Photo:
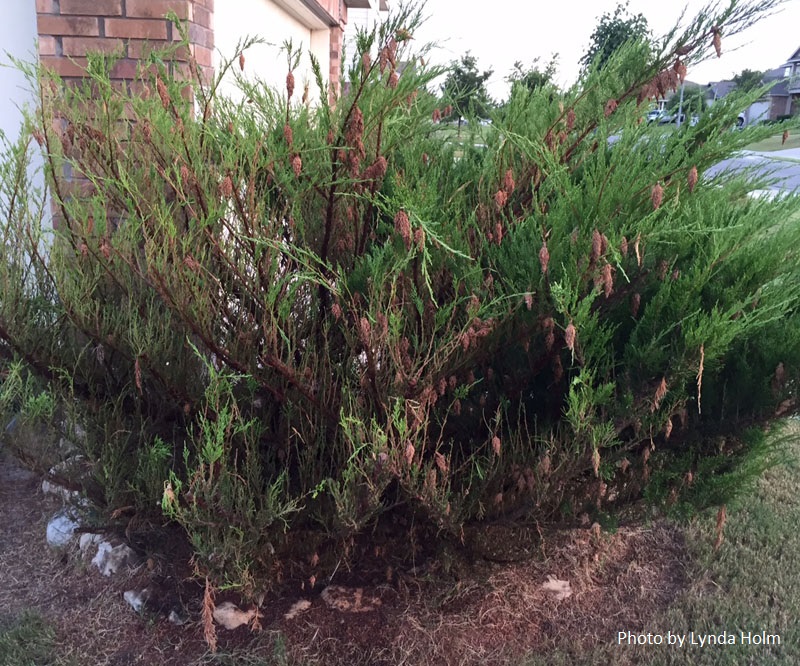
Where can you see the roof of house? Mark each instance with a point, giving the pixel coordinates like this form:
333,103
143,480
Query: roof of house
781,88
795,57
718,89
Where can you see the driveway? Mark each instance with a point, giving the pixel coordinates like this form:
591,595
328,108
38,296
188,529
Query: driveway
782,166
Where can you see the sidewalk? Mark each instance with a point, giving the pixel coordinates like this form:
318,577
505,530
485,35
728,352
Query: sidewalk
789,154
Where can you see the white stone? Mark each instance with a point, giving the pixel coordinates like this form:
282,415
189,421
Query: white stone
61,529
176,618
66,469
561,588
110,559
59,491
230,616
297,608
349,599
87,542
137,600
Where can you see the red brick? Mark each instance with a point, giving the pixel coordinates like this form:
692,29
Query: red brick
47,46
136,28
203,56
200,35
80,46
139,89
77,186
207,75
68,25
183,71
139,48
126,68
65,67
45,7
92,7
202,16
158,8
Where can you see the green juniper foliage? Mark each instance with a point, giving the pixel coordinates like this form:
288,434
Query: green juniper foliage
290,324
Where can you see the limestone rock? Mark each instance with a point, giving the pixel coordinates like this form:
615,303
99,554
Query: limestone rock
88,542
137,599
560,588
110,558
71,468
349,599
49,488
177,617
61,529
297,608
230,616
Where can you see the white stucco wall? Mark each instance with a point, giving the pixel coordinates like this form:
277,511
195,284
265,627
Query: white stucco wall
235,19
18,39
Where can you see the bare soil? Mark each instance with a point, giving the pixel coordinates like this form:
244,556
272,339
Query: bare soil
489,612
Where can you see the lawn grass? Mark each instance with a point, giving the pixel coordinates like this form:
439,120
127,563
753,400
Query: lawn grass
751,584
775,142
27,641
473,133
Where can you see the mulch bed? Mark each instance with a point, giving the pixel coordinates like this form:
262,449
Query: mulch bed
488,613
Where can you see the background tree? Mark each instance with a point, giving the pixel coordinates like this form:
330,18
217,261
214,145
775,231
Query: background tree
534,76
611,32
748,79
694,101
465,90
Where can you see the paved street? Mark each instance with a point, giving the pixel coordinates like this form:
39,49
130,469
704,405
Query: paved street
781,165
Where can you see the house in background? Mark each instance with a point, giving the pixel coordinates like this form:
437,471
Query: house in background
757,112
785,95
781,101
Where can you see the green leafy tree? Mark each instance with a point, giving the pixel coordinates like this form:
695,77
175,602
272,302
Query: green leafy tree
611,32
465,91
694,101
748,79
535,76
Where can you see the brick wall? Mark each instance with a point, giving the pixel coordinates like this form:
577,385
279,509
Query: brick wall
69,29
337,41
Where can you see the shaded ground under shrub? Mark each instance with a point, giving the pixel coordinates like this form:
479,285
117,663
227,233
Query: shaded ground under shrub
489,613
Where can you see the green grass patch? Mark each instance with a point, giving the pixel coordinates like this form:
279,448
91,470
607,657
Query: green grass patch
750,584
775,142
27,640
473,133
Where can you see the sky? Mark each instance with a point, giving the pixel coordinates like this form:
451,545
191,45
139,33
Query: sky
500,32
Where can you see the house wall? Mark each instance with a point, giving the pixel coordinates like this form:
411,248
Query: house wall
68,29
18,40
267,62
358,19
